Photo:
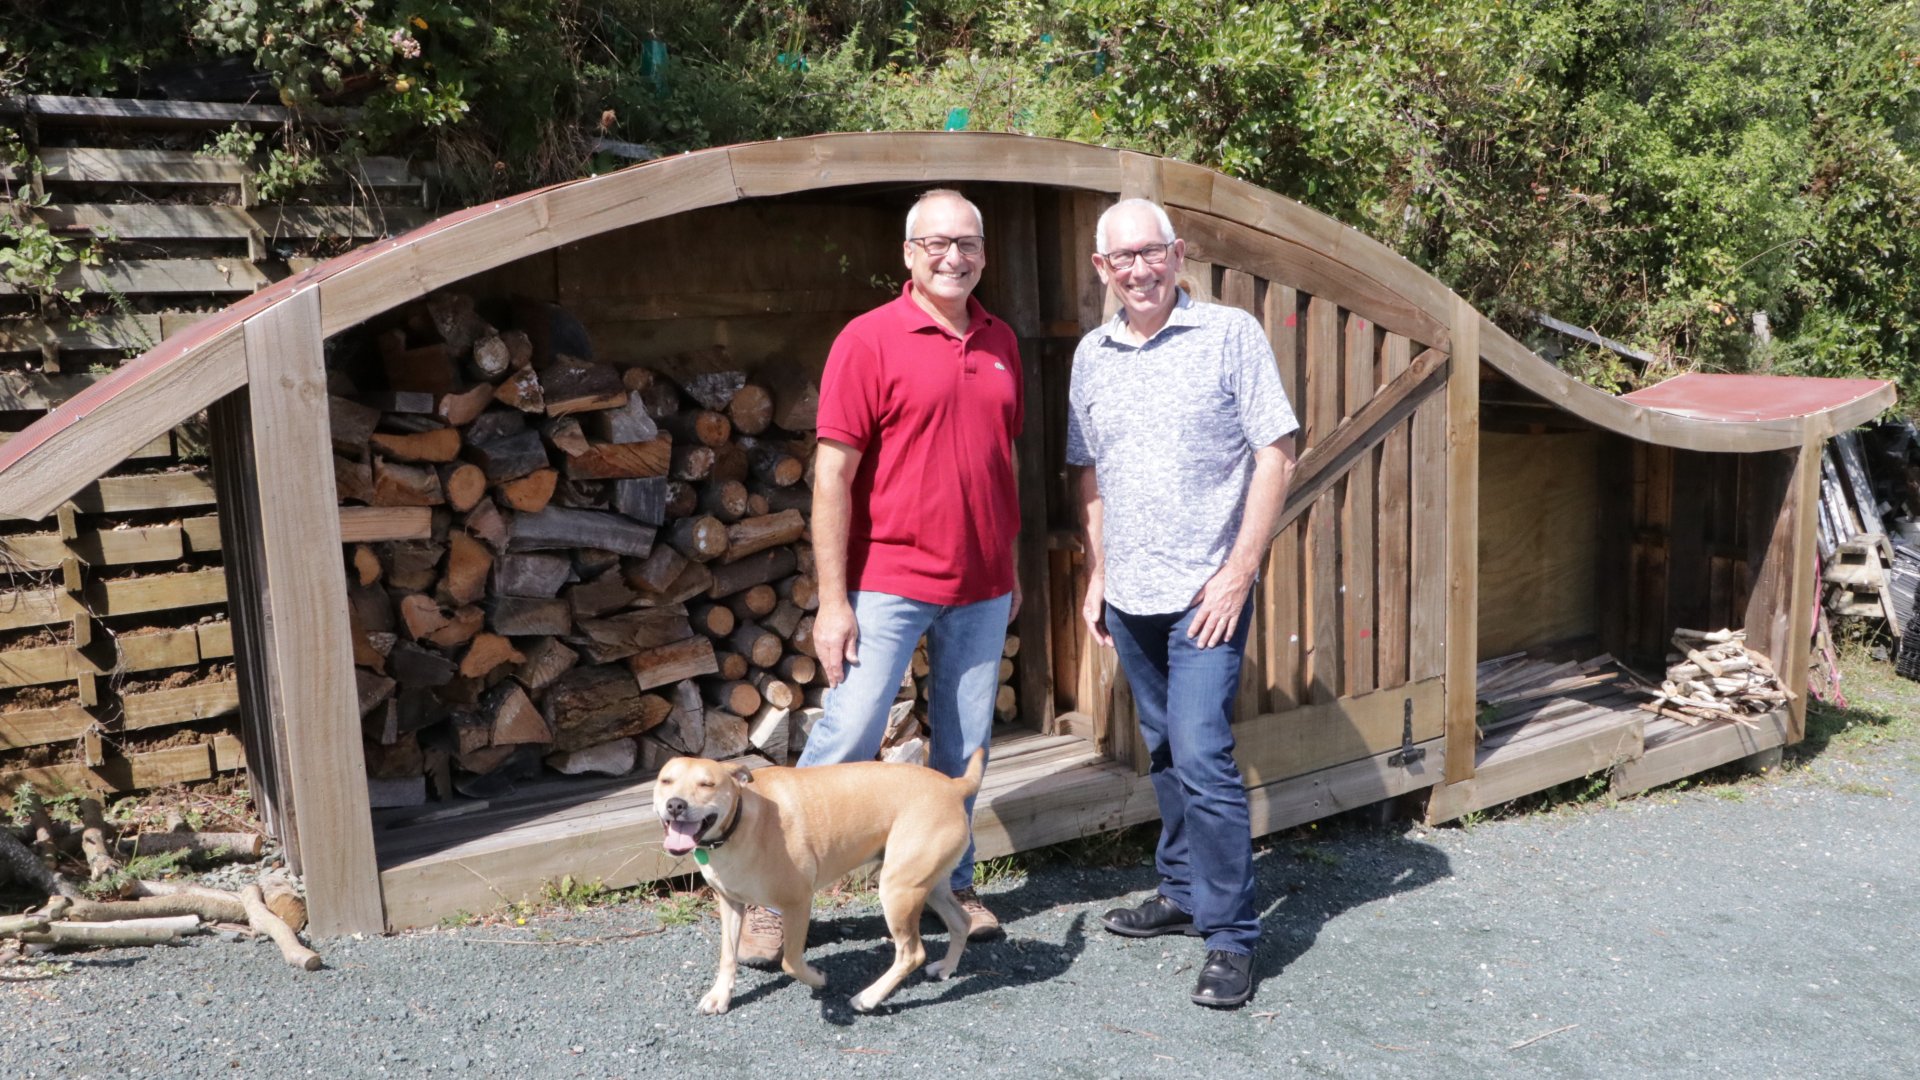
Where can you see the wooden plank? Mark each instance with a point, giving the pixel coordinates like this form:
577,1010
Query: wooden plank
1300,799
160,277
1539,552
1601,743
137,652
1695,750
179,705
779,168
1276,746
160,447
1394,588
1463,538
126,596
115,165
1359,614
310,673
1320,555
145,112
1281,585
149,401
1803,592
37,727
146,491
130,332
153,221
138,772
369,524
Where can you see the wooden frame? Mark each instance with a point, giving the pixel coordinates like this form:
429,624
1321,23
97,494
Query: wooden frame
1388,478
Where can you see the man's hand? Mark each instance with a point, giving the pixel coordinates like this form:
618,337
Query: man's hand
1013,610
1220,602
1094,609
836,639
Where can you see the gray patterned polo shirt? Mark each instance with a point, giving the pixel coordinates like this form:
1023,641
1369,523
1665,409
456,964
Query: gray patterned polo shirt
1170,427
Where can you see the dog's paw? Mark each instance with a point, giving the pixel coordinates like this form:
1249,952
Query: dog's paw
810,976
865,1001
938,971
715,1002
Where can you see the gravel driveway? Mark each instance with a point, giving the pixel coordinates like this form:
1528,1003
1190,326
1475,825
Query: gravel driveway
1764,928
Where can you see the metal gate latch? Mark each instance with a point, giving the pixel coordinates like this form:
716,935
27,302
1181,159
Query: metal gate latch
1408,755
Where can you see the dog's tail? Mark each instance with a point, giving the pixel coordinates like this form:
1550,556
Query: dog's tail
969,781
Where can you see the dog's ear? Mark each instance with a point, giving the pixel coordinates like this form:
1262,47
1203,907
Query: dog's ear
742,774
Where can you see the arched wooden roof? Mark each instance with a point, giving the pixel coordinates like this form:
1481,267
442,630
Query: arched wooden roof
76,443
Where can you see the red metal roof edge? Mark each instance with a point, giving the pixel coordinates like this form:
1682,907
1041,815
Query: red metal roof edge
1734,398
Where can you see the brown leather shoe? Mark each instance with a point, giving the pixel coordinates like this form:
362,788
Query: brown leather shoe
981,925
761,939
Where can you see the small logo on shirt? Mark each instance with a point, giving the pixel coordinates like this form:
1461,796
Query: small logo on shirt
998,366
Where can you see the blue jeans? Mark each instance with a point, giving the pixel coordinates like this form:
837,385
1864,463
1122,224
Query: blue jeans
964,644
1184,695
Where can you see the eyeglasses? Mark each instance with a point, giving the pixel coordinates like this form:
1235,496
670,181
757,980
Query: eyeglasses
937,246
1154,254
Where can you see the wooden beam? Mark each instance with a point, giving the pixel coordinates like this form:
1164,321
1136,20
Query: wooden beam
310,667
149,221
1330,458
1276,746
145,112
1463,538
156,277
1804,588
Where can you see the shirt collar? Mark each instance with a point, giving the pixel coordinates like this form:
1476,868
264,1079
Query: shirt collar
1183,314
914,318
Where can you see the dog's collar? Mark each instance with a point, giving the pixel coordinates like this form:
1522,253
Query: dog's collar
700,852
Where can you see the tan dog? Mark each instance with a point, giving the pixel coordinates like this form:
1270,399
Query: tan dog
777,836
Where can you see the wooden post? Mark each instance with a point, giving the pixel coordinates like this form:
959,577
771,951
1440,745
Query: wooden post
1463,538
305,658
1802,504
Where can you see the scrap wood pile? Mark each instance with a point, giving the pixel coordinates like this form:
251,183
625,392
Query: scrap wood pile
614,567
1508,684
1713,676
126,911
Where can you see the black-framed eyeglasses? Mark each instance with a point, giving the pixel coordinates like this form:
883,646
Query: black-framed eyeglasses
937,246
1154,254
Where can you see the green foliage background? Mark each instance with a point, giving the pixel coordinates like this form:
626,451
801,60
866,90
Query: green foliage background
1659,171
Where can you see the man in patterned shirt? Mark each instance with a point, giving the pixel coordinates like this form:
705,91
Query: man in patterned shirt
1177,407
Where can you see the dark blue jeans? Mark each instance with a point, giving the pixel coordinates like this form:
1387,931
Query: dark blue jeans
1184,695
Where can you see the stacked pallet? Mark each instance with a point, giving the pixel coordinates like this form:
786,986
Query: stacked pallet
115,652
1713,677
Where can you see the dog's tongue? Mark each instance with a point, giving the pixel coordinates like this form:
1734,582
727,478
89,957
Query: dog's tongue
682,836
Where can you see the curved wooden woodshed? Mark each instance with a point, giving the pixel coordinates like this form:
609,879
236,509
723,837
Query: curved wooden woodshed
1459,499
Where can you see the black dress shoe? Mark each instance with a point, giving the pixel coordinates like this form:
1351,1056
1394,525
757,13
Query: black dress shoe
1151,919
1226,980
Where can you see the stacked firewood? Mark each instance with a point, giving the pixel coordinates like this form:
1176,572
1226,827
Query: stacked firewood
1713,676
907,726
617,568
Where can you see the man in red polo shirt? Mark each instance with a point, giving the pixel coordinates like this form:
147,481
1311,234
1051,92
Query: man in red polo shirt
914,516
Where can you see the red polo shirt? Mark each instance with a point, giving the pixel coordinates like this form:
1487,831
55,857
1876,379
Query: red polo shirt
933,416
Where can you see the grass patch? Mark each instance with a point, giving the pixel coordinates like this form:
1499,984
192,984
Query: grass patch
1856,787
683,908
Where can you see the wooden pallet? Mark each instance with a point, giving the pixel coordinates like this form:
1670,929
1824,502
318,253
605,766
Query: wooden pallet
1858,571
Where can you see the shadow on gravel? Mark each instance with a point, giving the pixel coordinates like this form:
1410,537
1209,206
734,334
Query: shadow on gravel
1300,888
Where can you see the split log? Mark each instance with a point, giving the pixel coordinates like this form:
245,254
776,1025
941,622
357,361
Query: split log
426,370
628,423
397,484
413,565
266,922
468,563
531,493
727,735
465,622
691,582
350,424
420,616
507,457
532,573
597,704
561,528
487,652
521,389
373,690
657,571
461,407
563,433
645,628
622,461
572,386
436,447
486,522
353,480
796,397
513,720
770,731
714,389
398,760
673,662
496,424
528,616
366,564
757,569
685,729
454,319
644,499
616,757
547,659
